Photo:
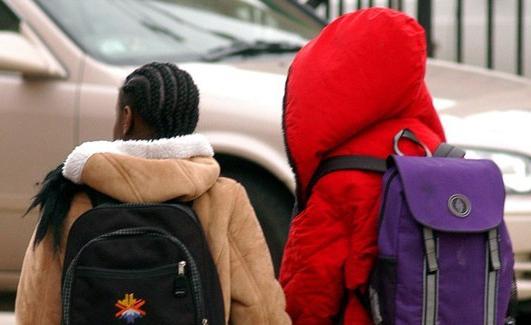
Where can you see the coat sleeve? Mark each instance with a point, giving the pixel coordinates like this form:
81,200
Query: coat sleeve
38,300
256,296
321,245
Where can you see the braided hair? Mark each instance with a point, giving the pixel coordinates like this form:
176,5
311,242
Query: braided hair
164,96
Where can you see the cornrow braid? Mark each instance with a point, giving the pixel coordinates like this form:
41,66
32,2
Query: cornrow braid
165,96
152,115
187,98
170,96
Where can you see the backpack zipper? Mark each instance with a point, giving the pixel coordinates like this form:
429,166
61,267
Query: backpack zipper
147,231
179,288
96,272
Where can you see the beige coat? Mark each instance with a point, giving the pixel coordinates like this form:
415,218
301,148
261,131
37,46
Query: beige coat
251,294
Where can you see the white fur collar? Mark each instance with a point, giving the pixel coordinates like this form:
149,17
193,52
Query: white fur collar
186,146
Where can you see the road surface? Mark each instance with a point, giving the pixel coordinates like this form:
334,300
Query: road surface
7,319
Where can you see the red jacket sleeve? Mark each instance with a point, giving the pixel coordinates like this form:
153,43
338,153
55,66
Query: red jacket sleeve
335,233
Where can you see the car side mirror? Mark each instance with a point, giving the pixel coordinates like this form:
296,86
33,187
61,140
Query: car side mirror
18,54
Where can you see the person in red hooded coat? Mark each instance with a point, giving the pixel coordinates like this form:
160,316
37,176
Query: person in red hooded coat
349,91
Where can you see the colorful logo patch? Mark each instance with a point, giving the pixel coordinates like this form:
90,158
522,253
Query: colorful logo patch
130,308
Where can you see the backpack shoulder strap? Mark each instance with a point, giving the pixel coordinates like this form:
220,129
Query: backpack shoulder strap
365,163
333,164
449,151
97,198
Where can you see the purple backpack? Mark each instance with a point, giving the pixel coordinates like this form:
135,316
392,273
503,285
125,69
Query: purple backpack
445,255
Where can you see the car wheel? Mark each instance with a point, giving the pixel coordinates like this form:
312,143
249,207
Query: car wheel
271,200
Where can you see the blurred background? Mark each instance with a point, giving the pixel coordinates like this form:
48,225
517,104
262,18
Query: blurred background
488,33
62,61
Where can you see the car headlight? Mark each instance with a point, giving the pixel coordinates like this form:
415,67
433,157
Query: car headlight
516,168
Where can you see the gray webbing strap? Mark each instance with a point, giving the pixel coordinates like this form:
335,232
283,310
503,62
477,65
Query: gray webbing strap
490,298
449,151
375,306
430,299
494,250
430,249
492,266
431,274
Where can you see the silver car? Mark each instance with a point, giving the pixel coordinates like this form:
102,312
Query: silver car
61,62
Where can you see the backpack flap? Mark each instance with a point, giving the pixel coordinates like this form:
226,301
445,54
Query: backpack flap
452,195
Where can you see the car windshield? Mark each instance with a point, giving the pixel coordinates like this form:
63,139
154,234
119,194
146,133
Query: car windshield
131,32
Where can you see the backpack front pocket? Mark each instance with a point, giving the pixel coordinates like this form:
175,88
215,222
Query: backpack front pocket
146,296
133,293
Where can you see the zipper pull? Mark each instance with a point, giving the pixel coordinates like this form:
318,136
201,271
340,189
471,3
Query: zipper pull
180,268
205,321
179,288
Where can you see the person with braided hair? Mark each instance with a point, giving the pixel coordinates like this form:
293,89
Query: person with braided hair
155,157
165,101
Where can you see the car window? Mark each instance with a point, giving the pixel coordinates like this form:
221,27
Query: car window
8,20
131,32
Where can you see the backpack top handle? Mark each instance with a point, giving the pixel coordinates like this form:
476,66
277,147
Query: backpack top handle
408,134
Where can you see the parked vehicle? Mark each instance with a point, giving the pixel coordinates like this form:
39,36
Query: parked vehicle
61,62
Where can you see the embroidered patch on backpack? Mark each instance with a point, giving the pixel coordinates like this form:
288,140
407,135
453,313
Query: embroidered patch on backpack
130,308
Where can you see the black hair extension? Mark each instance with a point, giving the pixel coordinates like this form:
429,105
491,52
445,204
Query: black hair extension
53,200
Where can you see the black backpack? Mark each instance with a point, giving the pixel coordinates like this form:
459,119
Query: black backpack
139,264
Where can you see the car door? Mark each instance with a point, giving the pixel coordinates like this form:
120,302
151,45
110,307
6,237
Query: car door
37,124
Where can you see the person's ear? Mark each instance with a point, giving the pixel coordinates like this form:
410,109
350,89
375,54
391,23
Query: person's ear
127,121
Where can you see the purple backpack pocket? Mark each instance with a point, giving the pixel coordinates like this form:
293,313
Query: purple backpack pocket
445,256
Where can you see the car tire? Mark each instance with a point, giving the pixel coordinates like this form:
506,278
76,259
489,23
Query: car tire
272,202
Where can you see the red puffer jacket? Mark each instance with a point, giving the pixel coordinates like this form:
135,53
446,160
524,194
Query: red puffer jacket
349,91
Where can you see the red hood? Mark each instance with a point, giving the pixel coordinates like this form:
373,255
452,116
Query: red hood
361,73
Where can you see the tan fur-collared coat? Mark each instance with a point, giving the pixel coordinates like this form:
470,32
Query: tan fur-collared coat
251,293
